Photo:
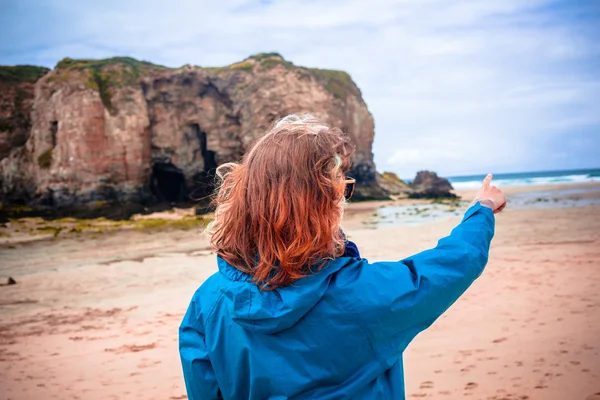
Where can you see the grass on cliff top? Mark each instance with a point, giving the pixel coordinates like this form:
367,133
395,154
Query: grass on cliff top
22,73
81,64
263,56
110,71
338,83
107,73
263,60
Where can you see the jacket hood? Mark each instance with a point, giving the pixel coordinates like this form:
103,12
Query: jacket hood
279,309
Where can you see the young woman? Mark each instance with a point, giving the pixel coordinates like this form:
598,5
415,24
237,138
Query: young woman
294,312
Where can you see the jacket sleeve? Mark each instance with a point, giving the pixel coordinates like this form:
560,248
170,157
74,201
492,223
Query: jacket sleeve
405,297
200,380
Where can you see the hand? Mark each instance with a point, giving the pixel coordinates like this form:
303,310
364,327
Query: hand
491,196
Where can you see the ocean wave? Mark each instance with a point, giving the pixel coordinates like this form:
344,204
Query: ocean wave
529,181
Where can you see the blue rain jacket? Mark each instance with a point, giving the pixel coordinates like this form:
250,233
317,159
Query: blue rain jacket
337,334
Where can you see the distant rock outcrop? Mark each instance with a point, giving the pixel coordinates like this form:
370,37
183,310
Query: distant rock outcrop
120,130
393,185
428,185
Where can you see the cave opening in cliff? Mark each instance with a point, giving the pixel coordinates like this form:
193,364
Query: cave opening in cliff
168,183
210,164
203,180
53,132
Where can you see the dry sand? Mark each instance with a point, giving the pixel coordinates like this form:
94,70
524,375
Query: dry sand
97,319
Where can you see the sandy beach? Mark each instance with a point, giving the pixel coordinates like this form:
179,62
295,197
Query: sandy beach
97,317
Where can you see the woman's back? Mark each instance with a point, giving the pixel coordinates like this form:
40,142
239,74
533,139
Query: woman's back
338,333
291,314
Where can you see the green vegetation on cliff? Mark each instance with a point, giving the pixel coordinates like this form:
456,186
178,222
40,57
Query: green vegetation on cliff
262,60
108,73
113,72
392,178
101,83
22,73
244,66
264,56
273,62
132,67
338,83
45,159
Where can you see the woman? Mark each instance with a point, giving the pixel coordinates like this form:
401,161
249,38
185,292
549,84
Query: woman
290,315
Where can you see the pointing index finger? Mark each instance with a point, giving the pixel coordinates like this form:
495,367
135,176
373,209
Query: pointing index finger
487,180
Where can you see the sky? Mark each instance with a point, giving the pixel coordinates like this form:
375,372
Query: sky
455,86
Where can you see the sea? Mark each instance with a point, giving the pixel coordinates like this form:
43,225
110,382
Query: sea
544,198
528,178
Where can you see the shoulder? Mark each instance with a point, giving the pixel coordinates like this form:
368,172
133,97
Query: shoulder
370,286
206,296
360,273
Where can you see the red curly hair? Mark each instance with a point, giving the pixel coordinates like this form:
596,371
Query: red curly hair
278,212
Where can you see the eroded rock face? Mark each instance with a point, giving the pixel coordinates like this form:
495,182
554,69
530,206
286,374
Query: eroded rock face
16,100
78,151
123,130
428,185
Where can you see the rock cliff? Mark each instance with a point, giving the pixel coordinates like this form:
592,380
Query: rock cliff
16,100
429,185
124,130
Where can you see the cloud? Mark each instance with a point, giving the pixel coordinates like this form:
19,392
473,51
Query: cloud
457,86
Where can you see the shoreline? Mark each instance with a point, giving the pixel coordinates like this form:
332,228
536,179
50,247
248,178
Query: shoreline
468,195
26,231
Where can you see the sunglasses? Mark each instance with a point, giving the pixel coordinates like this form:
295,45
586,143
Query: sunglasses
349,189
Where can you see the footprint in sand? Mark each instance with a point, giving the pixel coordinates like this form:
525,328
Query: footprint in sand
467,368
426,385
500,340
595,396
471,386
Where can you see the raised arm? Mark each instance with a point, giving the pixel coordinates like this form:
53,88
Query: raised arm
404,297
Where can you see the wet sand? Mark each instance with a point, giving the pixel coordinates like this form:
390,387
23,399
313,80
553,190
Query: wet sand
97,318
